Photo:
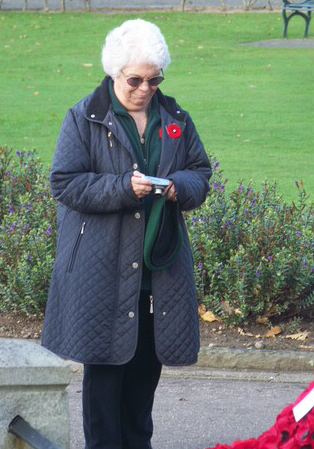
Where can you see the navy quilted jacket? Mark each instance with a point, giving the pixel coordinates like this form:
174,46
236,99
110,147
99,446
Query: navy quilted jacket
92,309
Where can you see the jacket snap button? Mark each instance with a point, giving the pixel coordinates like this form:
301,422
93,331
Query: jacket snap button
135,265
137,215
93,115
135,166
164,313
131,314
110,123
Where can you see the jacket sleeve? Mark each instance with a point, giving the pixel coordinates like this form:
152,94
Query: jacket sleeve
75,185
192,183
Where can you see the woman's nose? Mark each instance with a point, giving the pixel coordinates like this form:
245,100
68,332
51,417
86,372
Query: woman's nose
145,86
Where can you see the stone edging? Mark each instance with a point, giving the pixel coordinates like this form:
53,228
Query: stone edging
233,359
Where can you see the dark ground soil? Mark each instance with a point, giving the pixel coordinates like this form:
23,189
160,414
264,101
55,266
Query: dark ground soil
22,325
300,338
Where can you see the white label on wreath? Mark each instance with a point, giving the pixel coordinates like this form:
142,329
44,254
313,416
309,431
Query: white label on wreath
303,407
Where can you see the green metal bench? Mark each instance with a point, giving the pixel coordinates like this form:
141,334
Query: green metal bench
303,9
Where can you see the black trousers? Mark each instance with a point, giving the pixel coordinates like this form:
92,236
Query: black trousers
118,399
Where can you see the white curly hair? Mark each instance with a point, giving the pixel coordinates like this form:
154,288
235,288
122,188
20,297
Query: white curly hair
134,42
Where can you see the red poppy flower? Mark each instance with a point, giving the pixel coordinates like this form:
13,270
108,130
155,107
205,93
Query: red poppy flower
269,439
303,435
310,419
174,130
290,444
160,132
244,444
219,446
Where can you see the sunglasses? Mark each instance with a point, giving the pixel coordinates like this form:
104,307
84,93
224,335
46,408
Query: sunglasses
136,81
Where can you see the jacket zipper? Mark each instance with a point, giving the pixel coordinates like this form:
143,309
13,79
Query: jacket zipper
76,247
151,306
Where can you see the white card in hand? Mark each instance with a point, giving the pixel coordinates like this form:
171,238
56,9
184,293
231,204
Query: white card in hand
303,407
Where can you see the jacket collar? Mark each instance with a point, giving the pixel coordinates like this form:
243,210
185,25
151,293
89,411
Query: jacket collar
99,103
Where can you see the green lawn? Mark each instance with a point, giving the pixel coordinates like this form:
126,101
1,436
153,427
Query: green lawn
253,106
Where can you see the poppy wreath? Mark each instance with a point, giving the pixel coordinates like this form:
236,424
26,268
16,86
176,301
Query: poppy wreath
286,433
174,130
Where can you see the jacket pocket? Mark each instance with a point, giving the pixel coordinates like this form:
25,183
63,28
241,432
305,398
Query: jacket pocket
76,247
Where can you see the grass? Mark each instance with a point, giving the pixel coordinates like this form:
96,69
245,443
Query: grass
253,106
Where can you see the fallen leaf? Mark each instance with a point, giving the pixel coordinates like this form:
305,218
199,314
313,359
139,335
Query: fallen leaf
262,319
209,316
201,309
306,347
238,312
36,93
271,311
227,307
300,336
247,334
88,64
273,331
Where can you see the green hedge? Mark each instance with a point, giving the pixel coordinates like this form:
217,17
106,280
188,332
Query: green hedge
253,252
27,231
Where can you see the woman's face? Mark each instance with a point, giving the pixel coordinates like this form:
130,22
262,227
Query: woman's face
136,99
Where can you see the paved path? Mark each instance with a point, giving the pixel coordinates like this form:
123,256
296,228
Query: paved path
305,43
70,4
192,413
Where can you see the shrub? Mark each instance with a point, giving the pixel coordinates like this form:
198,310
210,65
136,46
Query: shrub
253,253
27,231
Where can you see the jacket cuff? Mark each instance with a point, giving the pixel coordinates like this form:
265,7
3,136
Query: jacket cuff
180,188
132,199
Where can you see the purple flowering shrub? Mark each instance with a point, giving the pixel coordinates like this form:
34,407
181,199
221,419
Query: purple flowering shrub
27,231
253,252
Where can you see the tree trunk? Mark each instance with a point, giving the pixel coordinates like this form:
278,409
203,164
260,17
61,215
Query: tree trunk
248,4
182,4
62,5
46,5
223,5
0,4
88,5
25,5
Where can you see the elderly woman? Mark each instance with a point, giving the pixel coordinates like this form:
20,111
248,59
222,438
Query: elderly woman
122,299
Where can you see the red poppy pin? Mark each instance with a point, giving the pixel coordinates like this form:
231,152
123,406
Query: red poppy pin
160,132
174,130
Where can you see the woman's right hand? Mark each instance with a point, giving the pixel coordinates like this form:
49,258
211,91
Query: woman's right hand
141,185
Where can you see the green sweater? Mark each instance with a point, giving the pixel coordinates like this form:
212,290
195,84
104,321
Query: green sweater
148,154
